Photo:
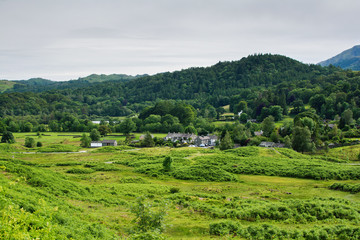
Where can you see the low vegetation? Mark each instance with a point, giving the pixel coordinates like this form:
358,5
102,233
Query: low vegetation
115,193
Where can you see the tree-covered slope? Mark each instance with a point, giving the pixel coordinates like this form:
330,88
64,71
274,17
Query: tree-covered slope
41,85
349,59
261,80
222,79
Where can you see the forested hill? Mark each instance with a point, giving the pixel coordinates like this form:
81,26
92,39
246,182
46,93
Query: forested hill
41,85
221,80
260,80
349,59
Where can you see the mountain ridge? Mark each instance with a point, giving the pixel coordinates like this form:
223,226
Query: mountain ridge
348,59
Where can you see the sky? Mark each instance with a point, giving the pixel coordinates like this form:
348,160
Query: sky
67,39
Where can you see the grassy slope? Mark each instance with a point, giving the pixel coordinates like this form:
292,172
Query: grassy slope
103,195
4,85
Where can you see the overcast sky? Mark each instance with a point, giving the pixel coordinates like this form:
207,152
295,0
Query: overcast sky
67,39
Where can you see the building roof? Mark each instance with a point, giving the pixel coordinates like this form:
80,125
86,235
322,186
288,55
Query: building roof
180,135
108,141
104,141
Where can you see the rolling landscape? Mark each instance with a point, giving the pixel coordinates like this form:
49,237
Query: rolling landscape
304,184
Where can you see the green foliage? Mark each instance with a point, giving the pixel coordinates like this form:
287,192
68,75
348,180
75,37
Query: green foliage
268,126
355,188
80,171
59,148
148,217
203,173
266,231
226,142
39,144
167,163
104,130
7,137
127,126
85,141
148,140
95,135
108,149
29,142
301,139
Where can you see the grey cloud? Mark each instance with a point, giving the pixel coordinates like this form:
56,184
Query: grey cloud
60,39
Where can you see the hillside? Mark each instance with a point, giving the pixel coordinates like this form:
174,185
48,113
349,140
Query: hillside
348,59
41,85
112,193
261,80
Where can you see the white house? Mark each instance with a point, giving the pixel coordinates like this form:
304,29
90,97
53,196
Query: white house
96,144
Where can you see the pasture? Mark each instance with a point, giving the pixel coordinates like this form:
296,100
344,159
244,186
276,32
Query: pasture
244,193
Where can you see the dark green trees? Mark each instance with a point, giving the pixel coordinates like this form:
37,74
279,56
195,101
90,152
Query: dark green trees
301,140
7,137
29,142
95,135
85,141
268,126
226,142
148,141
127,126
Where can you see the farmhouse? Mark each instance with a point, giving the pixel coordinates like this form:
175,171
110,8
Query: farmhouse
202,141
180,137
271,145
103,143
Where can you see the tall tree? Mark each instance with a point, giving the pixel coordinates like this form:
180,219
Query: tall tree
226,142
268,126
95,135
127,126
301,140
85,141
148,140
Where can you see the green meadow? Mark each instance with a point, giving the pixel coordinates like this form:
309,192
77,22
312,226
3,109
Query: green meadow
244,193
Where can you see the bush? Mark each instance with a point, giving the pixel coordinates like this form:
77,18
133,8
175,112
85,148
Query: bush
80,171
29,142
174,190
146,217
39,144
346,187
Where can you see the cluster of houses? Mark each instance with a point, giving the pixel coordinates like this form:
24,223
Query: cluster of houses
185,138
190,138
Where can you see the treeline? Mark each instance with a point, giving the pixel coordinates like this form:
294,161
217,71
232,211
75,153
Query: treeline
260,80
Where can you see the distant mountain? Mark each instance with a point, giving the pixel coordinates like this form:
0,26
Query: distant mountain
349,59
41,85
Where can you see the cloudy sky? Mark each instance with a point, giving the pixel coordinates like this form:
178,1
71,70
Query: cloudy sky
67,39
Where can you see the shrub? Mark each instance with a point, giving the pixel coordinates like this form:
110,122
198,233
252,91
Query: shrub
29,142
80,171
146,217
174,190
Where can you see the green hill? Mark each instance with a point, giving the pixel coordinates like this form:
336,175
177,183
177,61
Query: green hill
262,80
41,85
349,59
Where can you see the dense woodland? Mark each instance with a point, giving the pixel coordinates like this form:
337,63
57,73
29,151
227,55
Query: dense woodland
263,87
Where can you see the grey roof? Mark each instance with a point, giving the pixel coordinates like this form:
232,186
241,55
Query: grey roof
180,135
108,141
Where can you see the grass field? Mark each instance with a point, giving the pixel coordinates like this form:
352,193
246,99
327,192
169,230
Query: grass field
88,195
4,85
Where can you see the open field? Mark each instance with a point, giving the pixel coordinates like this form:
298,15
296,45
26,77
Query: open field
246,193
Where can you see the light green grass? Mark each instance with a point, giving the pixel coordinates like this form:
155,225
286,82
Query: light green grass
5,85
112,192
